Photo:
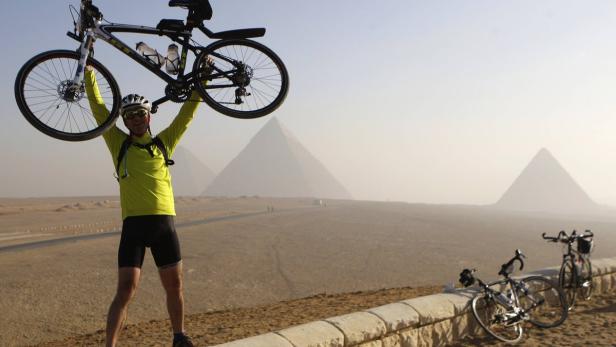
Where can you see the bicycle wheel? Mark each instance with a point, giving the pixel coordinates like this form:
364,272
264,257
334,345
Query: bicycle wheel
247,80
496,319
47,98
543,302
567,280
585,285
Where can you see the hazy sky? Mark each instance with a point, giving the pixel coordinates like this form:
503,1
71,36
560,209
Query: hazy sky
419,101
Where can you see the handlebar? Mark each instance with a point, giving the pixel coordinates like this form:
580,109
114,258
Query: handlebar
467,278
564,238
88,13
507,268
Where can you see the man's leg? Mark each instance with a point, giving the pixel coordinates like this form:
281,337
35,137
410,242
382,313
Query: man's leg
128,280
171,278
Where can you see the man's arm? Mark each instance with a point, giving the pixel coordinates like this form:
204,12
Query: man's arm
173,133
97,105
114,136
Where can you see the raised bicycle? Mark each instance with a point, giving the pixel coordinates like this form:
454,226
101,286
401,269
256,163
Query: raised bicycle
236,76
575,275
503,305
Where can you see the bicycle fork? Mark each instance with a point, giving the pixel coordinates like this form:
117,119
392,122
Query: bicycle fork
73,90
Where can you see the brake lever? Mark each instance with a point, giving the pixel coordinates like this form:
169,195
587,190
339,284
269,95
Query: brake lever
520,257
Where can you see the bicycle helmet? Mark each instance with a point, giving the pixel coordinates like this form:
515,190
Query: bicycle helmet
133,101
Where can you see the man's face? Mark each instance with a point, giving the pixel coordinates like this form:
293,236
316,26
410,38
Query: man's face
137,121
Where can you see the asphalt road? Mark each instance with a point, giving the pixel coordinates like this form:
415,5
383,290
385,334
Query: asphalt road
62,240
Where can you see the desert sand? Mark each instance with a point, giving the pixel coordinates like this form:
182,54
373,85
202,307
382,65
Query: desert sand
238,256
592,323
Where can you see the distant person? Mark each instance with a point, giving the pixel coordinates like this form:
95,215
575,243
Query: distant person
147,201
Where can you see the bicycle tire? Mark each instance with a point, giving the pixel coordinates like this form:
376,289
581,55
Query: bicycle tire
585,285
543,301
567,280
488,312
268,72
50,72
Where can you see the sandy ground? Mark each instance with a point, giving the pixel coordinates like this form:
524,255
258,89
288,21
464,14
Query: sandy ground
591,323
221,326
254,258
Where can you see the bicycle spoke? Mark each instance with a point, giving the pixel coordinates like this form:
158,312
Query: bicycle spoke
257,95
86,117
51,116
55,69
496,319
542,301
42,102
56,78
42,83
54,106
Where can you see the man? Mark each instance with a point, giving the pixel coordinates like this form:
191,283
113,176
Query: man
147,203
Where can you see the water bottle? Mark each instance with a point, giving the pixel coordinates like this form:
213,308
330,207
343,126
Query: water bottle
172,62
150,54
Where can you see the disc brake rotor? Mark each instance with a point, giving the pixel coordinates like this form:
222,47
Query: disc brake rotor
68,91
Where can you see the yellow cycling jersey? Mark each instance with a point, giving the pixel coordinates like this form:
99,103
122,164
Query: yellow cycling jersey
146,188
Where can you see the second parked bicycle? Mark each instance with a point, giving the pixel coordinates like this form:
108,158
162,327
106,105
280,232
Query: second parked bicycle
575,276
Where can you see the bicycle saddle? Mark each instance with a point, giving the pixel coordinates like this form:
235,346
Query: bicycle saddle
202,7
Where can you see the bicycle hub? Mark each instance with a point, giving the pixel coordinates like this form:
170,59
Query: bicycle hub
70,92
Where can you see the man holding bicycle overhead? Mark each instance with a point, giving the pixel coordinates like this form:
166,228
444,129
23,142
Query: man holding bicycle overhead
147,201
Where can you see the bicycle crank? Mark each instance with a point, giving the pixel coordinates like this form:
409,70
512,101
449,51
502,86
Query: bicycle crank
177,94
512,318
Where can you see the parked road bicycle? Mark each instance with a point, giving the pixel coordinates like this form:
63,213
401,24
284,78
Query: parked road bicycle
503,305
575,276
236,76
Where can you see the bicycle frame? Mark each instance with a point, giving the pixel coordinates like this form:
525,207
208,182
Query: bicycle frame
506,281
104,32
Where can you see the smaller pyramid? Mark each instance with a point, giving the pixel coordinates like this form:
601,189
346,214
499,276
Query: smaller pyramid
276,164
544,185
189,175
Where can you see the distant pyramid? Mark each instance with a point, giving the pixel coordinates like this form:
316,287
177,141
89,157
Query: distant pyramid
545,185
275,164
189,175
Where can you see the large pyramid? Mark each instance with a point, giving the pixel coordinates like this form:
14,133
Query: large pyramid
275,164
545,185
189,175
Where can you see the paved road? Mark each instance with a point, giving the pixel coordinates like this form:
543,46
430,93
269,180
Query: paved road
61,240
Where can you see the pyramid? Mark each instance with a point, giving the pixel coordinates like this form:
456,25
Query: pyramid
275,164
189,175
544,185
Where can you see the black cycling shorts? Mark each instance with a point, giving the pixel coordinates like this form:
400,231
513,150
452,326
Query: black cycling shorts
156,232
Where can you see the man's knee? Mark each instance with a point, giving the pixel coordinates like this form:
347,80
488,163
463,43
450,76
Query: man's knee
126,290
172,279
173,285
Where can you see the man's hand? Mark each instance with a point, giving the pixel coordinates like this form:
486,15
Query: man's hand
208,67
209,64
89,68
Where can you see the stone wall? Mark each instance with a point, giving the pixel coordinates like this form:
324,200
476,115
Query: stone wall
433,320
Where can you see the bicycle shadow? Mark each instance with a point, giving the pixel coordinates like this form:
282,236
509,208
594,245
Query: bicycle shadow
609,306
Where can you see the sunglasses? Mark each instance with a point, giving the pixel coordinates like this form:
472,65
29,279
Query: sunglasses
133,114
